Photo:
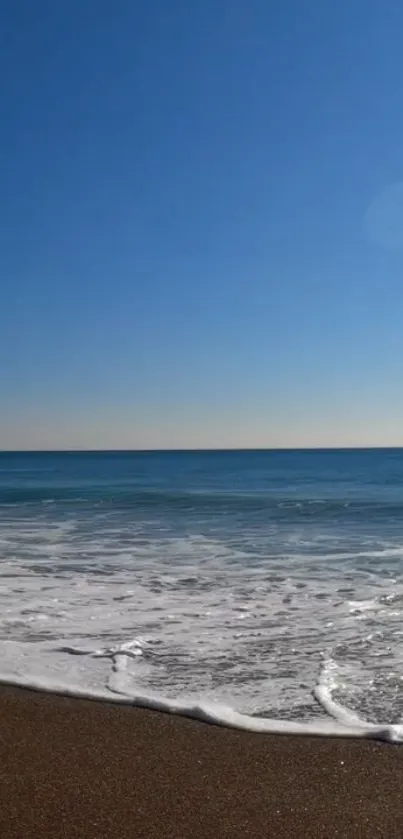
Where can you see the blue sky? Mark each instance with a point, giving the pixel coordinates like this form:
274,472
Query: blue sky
187,257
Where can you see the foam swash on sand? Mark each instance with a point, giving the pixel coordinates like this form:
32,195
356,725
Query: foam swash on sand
261,590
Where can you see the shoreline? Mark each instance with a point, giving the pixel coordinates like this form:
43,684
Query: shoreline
338,723
73,767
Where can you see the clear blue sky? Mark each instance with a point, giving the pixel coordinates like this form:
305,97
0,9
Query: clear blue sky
186,257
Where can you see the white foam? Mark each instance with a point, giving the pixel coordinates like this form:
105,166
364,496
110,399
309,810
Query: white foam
344,724
323,693
194,624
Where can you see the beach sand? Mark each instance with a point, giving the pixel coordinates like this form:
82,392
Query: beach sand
82,769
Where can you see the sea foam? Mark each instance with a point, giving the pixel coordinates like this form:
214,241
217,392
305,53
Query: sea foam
258,590
345,724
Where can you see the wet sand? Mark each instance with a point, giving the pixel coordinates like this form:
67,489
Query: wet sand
88,770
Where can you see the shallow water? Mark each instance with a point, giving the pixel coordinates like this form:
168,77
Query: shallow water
237,579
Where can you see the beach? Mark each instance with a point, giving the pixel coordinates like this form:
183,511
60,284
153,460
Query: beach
82,768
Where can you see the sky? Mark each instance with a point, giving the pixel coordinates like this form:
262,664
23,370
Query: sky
201,224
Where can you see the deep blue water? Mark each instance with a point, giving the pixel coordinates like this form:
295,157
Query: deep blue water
359,476
352,491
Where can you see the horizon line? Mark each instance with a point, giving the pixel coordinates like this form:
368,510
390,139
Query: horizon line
219,449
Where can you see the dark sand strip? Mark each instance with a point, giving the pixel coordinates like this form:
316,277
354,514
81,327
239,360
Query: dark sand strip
73,768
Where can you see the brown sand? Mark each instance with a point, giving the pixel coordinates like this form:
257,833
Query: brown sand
75,768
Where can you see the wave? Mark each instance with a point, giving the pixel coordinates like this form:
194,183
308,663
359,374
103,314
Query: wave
198,501
344,723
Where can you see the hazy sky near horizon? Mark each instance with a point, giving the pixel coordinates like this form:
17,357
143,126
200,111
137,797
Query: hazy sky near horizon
201,223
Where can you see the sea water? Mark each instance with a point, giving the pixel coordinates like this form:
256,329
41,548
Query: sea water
262,589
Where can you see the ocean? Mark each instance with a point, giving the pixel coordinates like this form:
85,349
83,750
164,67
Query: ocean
257,588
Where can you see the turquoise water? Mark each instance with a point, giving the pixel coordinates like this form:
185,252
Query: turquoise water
234,576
